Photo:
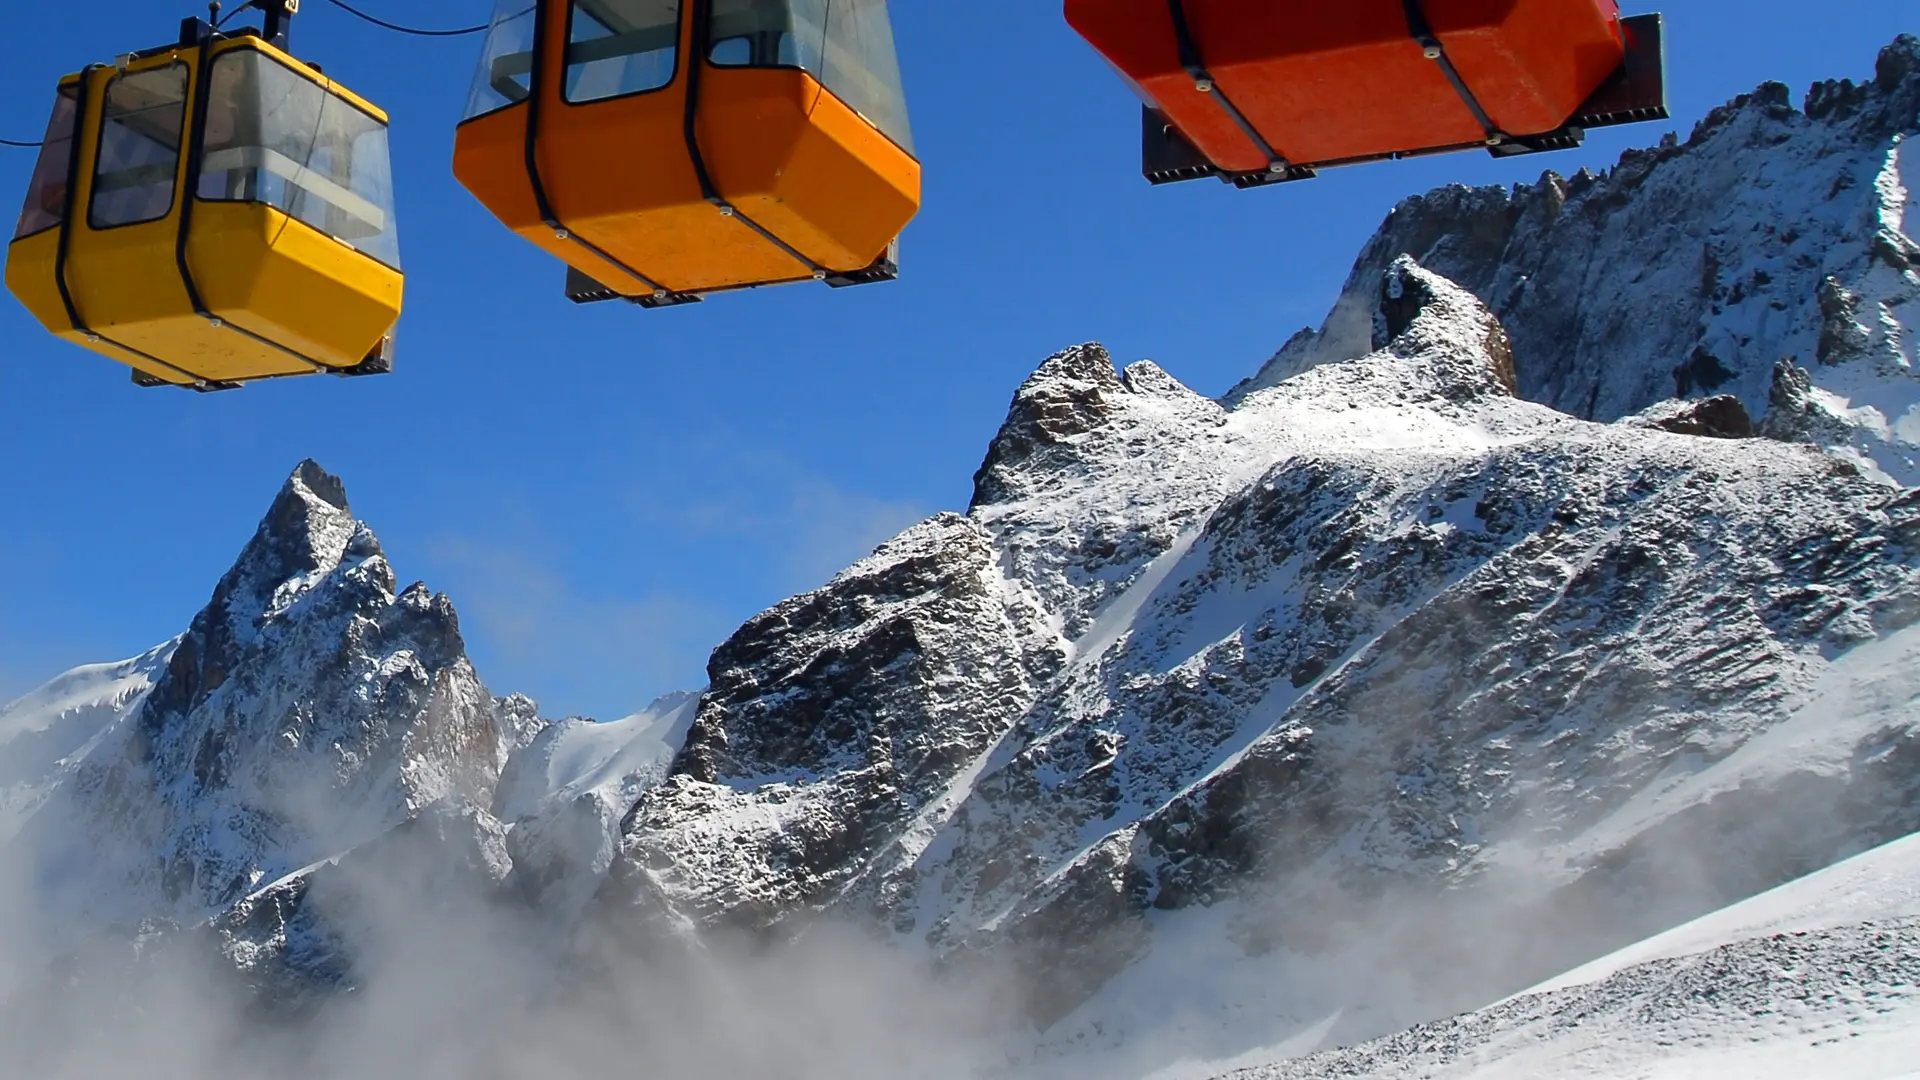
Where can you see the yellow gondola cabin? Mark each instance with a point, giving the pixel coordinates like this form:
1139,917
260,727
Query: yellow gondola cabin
665,149
212,213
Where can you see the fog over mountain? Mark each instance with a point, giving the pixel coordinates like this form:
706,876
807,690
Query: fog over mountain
1559,590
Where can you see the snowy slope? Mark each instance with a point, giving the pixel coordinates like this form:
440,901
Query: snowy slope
574,757
84,691
566,793
1839,1004
1269,679
1882,885
46,732
1820,977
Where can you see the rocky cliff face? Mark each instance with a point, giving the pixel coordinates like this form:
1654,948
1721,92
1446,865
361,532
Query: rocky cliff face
1390,616
1768,256
1355,633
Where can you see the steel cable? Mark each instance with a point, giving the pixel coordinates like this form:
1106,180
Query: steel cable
342,5
398,29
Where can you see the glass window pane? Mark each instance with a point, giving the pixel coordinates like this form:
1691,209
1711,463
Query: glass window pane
506,61
141,123
846,44
618,47
768,33
279,138
862,67
47,194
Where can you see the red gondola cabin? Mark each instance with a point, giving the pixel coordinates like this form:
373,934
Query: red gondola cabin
1261,91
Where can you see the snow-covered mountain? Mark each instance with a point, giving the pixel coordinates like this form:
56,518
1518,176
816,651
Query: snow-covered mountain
1375,635
1816,978
1382,629
1531,607
565,794
45,734
1769,256
311,707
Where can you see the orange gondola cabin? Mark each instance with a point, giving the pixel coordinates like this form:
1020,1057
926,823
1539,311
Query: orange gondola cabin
1263,91
666,149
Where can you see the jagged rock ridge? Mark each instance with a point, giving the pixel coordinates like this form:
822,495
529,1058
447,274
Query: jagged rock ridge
311,707
1769,256
1343,636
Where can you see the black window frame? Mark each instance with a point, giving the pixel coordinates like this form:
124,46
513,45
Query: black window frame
538,9
682,12
820,80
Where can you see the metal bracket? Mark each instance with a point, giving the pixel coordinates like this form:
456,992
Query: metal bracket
278,19
1278,167
884,268
1635,94
1436,51
583,289
1166,157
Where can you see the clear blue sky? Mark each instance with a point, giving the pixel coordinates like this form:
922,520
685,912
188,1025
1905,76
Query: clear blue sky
607,492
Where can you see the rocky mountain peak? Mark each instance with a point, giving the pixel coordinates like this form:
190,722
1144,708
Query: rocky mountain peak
1885,106
1071,394
1898,67
307,530
310,707
308,534
1770,233
1424,314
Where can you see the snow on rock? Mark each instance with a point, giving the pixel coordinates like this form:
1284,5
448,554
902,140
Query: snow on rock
45,733
1770,256
835,725
1376,634
311,707
565,794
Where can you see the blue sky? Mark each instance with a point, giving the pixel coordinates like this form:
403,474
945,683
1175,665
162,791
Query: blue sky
607,492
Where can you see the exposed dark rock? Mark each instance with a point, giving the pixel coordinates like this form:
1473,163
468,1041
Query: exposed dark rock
1071,394
1720,417
1337,672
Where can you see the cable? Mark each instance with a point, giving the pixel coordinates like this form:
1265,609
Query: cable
342,5
398,29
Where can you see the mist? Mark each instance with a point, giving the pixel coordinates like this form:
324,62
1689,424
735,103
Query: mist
442,974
